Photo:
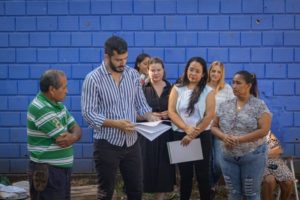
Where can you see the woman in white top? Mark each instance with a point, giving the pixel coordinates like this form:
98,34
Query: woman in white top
191,109
223,92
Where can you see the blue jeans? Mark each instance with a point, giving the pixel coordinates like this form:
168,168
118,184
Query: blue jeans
243,175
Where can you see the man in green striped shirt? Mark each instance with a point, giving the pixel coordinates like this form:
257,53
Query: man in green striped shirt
51,131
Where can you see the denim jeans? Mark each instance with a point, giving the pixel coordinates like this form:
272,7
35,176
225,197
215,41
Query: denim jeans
243,175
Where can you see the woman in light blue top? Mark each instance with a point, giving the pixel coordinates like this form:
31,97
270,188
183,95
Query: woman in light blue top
223,92
241,124
191,109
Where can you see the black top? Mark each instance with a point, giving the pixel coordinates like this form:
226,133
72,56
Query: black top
158,104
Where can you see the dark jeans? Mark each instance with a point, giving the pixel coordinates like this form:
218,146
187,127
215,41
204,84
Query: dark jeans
216,172
58,186
108,158
201,167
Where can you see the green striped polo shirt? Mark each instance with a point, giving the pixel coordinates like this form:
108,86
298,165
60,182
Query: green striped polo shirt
46,121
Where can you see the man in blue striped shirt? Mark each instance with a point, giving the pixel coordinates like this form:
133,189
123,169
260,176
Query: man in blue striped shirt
111,99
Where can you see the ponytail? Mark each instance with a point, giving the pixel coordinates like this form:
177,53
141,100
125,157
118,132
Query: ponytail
250,78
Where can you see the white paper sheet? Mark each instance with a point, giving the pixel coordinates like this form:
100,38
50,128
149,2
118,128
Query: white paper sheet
151,130
179,153
155,123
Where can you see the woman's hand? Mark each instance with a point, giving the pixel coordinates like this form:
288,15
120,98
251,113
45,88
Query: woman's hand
186,140
151,117
189,130
157,114
161,115
164,115
230,141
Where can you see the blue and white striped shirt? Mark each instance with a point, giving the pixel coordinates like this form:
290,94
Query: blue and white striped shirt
102,99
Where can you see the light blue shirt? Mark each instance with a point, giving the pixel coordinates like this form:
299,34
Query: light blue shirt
102,99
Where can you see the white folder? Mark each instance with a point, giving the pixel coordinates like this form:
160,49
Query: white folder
179,153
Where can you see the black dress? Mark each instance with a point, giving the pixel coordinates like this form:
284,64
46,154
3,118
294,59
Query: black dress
159,174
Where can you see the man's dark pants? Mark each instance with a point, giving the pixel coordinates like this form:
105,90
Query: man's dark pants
108,158
58,185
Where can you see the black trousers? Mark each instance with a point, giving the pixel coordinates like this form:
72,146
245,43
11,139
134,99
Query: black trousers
108,158
201,167
58,185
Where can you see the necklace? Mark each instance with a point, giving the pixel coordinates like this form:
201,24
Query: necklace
238,107
241,103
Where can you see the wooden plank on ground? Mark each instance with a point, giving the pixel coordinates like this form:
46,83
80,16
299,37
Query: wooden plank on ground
83,192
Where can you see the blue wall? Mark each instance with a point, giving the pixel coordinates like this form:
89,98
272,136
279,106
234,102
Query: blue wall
262,36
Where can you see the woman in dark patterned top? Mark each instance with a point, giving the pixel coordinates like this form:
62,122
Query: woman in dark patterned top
159,174
276,171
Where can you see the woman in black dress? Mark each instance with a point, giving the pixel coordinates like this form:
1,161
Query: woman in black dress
159,174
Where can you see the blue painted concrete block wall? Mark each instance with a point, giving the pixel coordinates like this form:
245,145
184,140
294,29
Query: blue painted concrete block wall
262,36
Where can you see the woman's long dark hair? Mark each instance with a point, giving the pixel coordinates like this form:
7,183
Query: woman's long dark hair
250,78
140,59
184,81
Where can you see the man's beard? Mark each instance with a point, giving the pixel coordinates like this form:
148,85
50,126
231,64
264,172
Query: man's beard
115,68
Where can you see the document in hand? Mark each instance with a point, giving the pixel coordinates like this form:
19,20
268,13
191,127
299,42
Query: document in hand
179,153
151,130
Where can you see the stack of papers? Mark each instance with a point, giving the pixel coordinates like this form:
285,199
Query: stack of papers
179,153
151,130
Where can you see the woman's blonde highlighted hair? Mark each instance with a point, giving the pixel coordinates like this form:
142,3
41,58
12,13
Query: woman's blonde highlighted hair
221,83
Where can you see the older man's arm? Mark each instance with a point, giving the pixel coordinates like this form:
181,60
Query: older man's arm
70,137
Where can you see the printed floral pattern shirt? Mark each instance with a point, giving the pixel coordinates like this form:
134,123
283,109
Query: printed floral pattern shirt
241,122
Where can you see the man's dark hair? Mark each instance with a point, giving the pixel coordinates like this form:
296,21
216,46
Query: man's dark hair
51,78
115,43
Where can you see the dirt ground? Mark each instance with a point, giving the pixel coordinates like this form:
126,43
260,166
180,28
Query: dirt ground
83,180
84,188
